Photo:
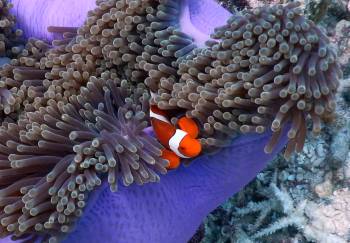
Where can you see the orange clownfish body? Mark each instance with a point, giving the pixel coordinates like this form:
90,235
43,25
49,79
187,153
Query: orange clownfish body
178,143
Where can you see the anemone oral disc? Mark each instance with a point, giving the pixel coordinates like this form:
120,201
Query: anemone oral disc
199,18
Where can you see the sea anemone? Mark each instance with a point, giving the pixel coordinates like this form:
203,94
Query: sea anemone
11,41
116,36
55,156
23,79
269,66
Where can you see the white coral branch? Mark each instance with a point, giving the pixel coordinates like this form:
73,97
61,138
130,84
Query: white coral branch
296,218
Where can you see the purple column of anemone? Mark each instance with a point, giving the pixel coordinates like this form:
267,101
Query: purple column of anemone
34,16
199,18
172,210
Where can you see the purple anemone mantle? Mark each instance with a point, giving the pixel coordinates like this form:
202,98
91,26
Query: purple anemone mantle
172,210
169,211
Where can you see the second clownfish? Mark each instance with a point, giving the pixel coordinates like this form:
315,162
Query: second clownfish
179,142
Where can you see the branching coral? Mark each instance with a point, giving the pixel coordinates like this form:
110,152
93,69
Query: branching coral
311,175
317,222
294,216
320,223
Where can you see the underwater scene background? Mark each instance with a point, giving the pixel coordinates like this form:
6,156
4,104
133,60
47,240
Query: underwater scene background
76,117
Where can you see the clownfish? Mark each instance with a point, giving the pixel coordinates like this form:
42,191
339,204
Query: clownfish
179,142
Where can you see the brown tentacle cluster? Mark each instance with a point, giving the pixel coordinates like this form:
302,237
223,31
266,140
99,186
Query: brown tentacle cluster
11,41
56,155
23,79
128,38
164,45
267,67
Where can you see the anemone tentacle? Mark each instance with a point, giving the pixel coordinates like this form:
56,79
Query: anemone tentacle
267,66
55,156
